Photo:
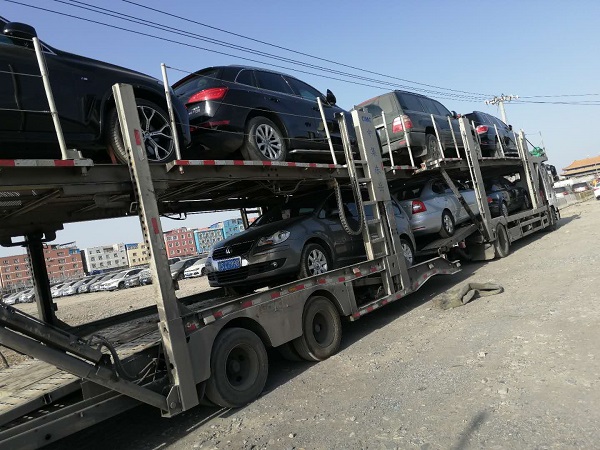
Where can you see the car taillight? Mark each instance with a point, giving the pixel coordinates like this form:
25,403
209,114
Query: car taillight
490,200
208,94
418,206
482,129
401,123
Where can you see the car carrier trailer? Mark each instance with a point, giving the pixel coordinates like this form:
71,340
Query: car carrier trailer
210,345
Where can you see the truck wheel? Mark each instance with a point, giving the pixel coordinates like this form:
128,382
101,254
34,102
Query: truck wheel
322,330
553,220
447,229
239,366
502,242
288,352
264,141
157,133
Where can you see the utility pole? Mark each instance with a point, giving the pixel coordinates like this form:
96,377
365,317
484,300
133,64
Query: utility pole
500,101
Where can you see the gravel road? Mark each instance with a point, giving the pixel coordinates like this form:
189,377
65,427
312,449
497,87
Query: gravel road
516,370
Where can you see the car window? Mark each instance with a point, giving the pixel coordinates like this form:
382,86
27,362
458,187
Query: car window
273,82
410,102
198,82
374,110
438,187
430,106
294,208
409,193
442,110
246,77
303,90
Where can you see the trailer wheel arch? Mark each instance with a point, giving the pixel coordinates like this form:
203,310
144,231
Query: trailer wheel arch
251,325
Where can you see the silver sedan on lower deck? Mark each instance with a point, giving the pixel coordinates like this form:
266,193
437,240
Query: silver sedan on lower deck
432,207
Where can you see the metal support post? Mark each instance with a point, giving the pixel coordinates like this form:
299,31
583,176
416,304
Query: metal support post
500,142
387,138
41,284
322,111
532,182
471,152
171,325
171,111
453,137
48,88
437,135
244,215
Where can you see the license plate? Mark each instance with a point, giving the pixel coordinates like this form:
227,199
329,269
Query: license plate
229,264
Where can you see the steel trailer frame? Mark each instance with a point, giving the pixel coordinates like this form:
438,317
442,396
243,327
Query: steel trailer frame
78,381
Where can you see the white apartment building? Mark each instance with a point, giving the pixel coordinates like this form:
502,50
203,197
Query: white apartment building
105,257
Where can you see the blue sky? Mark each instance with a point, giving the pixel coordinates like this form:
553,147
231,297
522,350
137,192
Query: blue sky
528,48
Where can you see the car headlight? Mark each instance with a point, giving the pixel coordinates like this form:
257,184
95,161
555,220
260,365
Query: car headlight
276,238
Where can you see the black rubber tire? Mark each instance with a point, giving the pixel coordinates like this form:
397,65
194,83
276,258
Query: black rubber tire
180,277
314,255
121,285
433,149
503,209
448,224
502,242
288,352
406,247
239,366
553,225
321,330
202,272
258,130
159,120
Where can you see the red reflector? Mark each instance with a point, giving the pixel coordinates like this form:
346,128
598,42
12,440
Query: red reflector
138,137
482,129
418,206
208,94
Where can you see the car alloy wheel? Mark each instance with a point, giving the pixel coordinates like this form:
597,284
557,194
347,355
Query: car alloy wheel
407,251
268,142
317,262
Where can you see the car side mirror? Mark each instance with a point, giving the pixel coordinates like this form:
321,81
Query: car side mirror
19,30
330,98
510,127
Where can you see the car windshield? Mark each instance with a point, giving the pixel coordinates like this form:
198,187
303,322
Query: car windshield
579,185
560,190
295,208
409,193
198,82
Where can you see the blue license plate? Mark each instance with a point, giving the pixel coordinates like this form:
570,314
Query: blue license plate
229,264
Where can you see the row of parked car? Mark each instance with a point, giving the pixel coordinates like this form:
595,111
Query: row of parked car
304,236
122,279
223,112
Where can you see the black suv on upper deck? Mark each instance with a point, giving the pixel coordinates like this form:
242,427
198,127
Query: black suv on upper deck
407,113
82,89
490,141
266,115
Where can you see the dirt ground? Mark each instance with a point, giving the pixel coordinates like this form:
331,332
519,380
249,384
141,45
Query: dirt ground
517,370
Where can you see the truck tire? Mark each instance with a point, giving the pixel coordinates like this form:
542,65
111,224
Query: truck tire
239,366
288,352
321,330
502,242
157,133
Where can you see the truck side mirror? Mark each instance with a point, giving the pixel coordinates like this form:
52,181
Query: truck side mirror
330,98
19,30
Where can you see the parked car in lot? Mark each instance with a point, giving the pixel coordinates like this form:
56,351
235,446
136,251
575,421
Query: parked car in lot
562,191
145,277
133,280
297,239
265,115
431,206
196,270
485,127
27,296
82,89
407,113
597,192
96,285
505,197
11,299
118,280
178,269
580,187
55,290
87,283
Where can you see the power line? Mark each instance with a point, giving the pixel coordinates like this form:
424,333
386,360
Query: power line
298,52
449,96
560,95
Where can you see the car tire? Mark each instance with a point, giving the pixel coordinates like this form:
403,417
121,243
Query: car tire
503,209
202,272
264,141
408,252
432,147
314,261
156,132
239,366
448,224
321,330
